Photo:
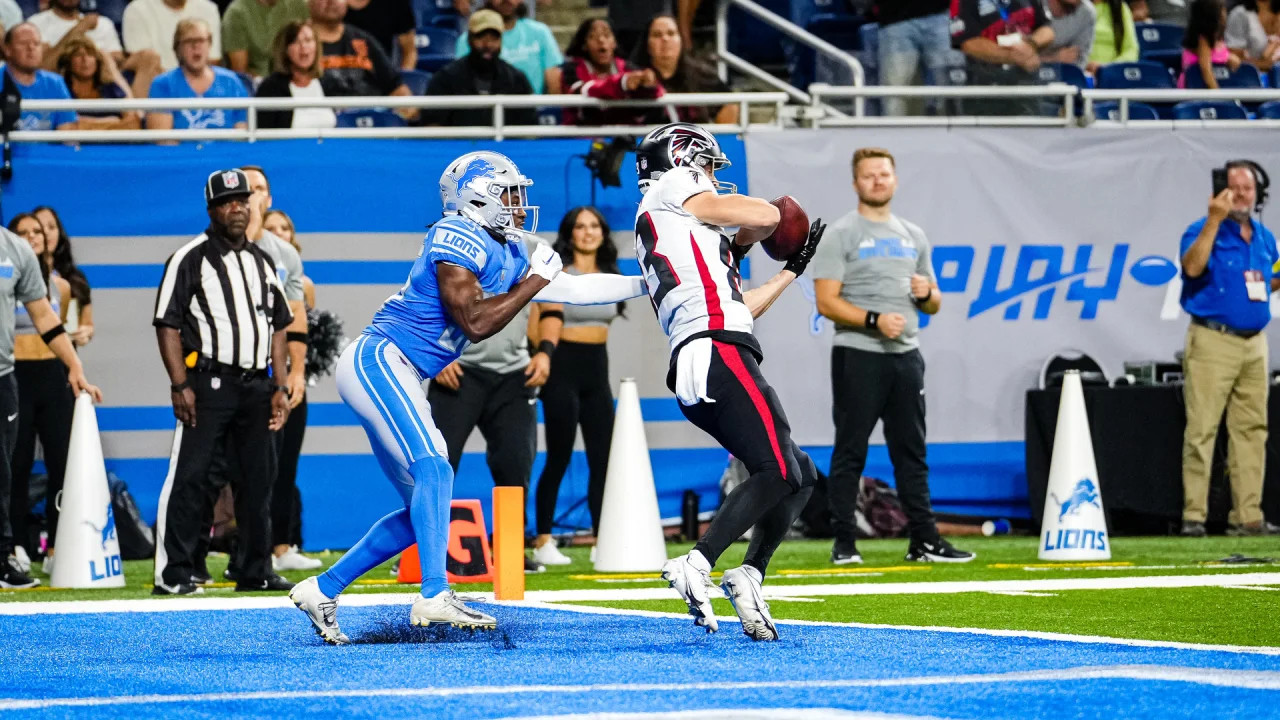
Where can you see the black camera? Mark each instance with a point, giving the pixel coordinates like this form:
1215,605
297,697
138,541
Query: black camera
605,157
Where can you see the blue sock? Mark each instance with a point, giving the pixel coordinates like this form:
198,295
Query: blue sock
387,537
429,510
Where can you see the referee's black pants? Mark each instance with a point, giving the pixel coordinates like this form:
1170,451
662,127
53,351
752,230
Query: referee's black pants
232,413
867,387
503,408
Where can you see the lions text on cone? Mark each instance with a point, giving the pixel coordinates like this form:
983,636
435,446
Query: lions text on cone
88,553
630,537
1074,526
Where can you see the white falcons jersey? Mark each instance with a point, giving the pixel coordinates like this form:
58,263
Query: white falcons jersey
693,284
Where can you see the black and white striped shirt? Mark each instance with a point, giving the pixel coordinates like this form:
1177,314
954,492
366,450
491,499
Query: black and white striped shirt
225,303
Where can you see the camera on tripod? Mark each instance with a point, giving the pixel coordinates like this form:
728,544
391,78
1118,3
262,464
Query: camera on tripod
605,157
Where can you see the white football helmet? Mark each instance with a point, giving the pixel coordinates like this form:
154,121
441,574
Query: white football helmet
473,186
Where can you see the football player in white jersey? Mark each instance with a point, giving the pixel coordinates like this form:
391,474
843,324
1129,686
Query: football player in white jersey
690,266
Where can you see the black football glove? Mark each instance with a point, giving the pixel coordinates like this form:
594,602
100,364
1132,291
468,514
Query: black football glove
799,260
737,252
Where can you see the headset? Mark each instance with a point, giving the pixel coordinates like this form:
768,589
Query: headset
1260,179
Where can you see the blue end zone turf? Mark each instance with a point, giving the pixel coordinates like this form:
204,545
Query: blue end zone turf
545,662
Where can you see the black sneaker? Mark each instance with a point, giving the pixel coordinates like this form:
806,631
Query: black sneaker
1192,529
12,577
179,589
275,583
201,577
937,551
532,566
231,574
845,553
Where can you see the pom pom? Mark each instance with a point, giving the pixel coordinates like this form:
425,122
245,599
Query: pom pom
324,330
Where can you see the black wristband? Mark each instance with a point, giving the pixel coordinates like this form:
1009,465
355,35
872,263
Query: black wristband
922,300
179,387
52,333
544,314
872,319
281,388
298,337
547,347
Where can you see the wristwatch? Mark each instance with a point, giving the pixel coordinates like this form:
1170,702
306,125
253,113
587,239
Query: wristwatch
281,388
179,387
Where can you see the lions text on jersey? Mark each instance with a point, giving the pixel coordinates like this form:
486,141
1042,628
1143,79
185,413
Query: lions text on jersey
415,318
692,280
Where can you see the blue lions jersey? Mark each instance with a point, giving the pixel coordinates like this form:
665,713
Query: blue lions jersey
415,319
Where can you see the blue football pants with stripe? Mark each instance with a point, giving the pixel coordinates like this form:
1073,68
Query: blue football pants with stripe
379,383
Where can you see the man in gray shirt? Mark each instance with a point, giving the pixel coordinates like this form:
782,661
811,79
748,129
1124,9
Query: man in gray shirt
871,276
21,281
494,386
1073,23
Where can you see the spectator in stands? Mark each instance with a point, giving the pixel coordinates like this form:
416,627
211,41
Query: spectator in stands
45,401
678,71
1074,23
481,71
63,23
391,23
592,68
249,28
1203,45
24,50
353,61
84,69
1002,44
10,16
527,44
79,315
151,24
1253,33
1115,39
1170,12
629,18
297,74
911,31
196,78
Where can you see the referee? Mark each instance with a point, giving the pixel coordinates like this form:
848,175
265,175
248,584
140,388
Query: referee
871,277
220,318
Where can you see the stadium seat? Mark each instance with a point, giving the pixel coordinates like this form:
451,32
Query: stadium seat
113,9
1269,110
550,115
840,30
416,81
31,7
427,12
1137,75
1068,73
805,12
1159,37
436,47
1222,110
247,80
369,119
754,41
1246,76
1137,111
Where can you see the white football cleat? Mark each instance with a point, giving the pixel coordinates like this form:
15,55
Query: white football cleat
320,608
294,560
742,586
549,554
446,608
692,583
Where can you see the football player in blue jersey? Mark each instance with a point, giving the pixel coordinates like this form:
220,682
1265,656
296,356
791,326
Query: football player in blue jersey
472,276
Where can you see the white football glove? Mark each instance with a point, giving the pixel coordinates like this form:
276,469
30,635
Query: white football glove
545,262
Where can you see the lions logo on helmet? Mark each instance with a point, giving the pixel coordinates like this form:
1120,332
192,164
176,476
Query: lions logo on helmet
473,186
680,145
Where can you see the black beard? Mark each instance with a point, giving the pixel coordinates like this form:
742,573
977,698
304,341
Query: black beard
482,65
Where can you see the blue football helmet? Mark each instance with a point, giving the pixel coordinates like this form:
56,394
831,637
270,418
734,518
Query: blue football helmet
473,186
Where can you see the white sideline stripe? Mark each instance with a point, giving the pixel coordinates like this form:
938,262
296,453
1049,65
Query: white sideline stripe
1240,679
634,594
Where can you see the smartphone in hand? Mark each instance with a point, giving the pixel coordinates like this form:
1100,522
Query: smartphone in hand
1219,181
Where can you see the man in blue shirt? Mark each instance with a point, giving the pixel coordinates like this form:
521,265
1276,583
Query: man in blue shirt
1227,260
472,276
196,78
25,50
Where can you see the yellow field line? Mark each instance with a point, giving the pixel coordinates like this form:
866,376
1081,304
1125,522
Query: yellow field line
780,573
1018,566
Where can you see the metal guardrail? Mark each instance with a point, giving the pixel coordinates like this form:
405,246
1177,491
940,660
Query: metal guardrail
1053,91
799,34
1124,97
498,103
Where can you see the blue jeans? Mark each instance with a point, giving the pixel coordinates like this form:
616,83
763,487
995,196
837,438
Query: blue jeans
902,44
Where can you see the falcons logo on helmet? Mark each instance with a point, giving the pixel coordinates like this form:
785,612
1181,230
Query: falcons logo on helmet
686,144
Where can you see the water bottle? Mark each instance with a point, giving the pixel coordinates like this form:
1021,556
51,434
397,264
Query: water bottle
996,527
689,524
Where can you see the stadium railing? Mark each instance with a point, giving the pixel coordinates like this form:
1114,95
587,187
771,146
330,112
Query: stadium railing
498,103
1249,97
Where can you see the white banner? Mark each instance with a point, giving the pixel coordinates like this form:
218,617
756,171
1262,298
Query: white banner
1044,240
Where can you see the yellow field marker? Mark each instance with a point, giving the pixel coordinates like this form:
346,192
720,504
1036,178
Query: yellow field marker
1018,566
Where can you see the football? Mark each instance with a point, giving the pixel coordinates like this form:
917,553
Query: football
792,230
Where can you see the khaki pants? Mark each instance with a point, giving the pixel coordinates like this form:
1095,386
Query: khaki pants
1225,371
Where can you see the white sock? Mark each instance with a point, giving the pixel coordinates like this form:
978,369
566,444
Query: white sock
699,561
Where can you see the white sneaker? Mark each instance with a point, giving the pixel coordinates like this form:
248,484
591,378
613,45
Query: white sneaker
691,581
294,560
592,557
47,566
742,586
549,554
447,608
322,610
24,560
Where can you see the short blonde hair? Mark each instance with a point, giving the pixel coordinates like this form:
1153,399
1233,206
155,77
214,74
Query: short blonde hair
185,25
869,153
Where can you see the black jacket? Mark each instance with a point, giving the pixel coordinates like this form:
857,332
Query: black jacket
458,78
276,85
